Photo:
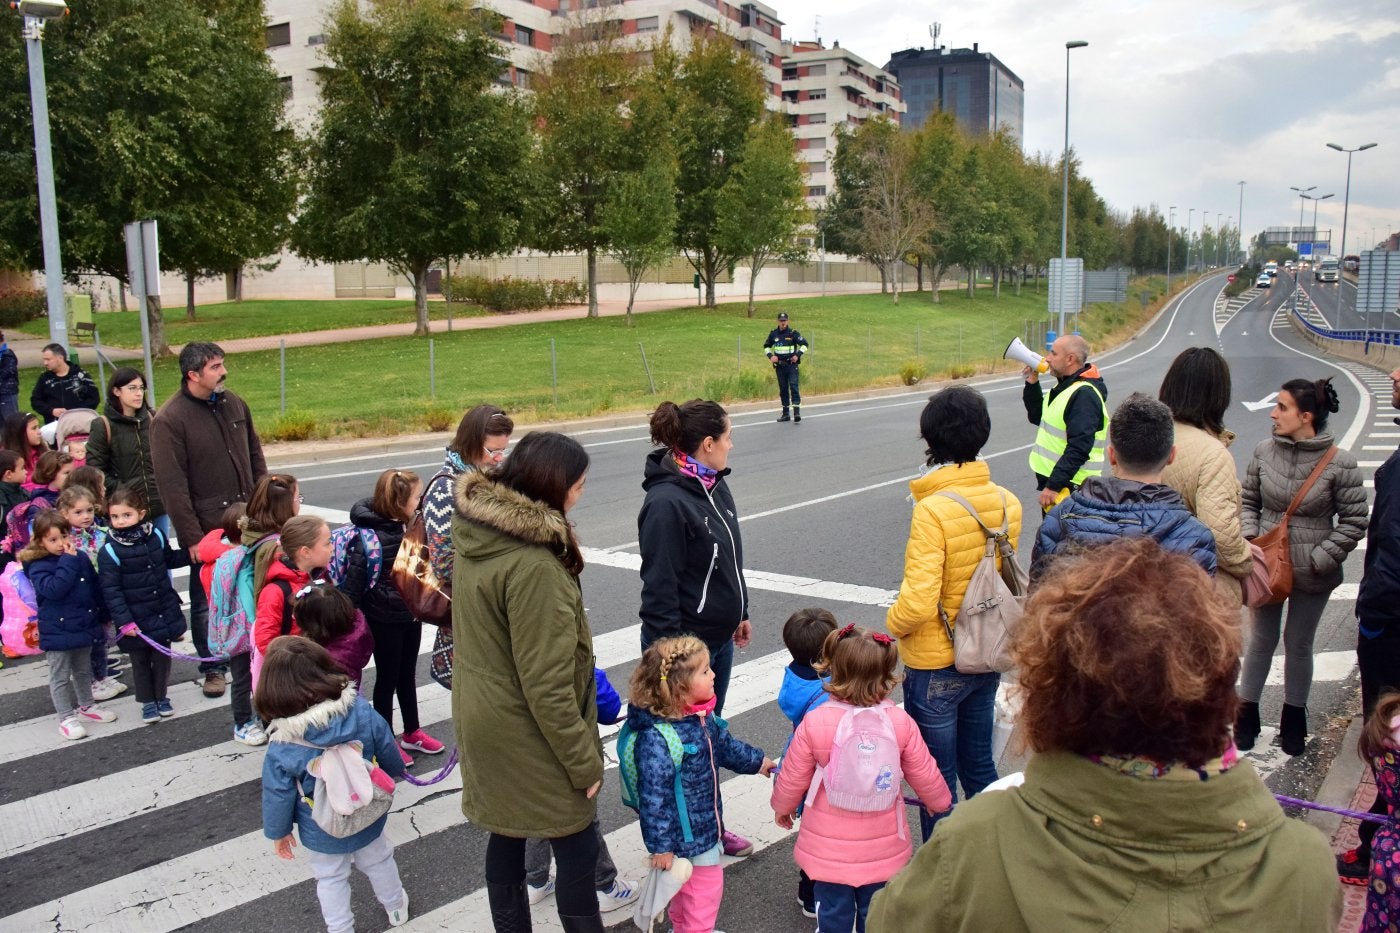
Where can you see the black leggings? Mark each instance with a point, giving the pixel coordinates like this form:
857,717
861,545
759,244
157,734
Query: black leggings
396,670
575,858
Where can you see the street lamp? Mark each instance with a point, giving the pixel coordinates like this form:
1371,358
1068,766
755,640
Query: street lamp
1064,196
1302,193
1320,197
1218,237
1190,213
1171,235
36,13
1346,199
1239,240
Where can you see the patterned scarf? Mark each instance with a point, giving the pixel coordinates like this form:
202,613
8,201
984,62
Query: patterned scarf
454,460
133,535
1151,769
689,466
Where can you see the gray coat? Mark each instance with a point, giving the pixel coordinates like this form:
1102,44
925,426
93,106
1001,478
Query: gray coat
1328,522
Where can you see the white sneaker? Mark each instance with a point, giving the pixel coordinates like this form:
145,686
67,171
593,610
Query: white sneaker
399,915
250,733
538,894
95,713
107,688
72,729
619,895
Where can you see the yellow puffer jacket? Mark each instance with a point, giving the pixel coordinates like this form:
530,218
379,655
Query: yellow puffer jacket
945,544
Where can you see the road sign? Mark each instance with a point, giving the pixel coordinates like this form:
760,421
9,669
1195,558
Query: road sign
1378,282
1066,286
1305,249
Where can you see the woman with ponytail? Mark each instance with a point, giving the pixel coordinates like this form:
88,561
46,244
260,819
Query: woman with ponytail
1321,532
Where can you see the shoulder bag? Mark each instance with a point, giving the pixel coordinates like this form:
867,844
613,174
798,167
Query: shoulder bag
1270,580
412,573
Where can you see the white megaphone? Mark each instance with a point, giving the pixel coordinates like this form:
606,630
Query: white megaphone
1018,351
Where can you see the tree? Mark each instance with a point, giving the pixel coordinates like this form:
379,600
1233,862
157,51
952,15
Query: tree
639,220
418,157
763,204
583,103
719,94
167,111
940,144
895,217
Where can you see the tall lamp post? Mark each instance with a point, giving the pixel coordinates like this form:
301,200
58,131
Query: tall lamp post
1320,197
1171,235
36,13
1239,245
1346,198
1064,195
1302,194
1218,236
1190,215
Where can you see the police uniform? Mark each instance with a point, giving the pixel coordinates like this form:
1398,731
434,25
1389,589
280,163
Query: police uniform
784,347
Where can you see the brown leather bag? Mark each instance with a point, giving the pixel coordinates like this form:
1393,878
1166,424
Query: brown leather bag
424,595
1271,579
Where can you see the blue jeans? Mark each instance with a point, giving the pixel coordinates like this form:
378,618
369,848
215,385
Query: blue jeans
721,662
954,713
841,907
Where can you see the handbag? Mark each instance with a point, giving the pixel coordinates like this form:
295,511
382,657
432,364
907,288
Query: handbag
1270,579
992,605
412,573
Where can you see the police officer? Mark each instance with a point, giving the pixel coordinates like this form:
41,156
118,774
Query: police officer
784,349
1072,419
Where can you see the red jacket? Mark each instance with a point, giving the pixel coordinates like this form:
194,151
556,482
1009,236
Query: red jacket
282,582
210,548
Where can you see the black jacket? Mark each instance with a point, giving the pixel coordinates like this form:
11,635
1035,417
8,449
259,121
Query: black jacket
75,390
120,446
1083,419
1378,598
692,556
136,586
9,371
790,339
382,603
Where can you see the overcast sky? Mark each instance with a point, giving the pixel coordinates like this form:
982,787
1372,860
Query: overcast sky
1176,102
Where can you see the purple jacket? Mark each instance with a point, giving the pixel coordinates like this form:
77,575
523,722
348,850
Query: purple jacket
352,652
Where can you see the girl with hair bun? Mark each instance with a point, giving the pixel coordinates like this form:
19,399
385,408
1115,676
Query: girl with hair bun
1321,532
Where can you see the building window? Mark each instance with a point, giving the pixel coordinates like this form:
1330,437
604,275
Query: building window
524,35
318,39
816,191
522,78
648,24
790,96
285,82
278,35
816,71
816,118
816,168
789,74
818,94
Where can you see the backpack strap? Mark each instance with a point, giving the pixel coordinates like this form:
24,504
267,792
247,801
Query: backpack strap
677,749
999,540
112,553
286,589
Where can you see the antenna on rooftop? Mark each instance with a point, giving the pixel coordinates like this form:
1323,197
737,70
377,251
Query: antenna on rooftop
935,30
817,28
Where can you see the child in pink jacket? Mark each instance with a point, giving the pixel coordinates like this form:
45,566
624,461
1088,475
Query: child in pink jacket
851,853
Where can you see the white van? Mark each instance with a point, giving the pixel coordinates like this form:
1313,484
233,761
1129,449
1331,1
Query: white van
1327,269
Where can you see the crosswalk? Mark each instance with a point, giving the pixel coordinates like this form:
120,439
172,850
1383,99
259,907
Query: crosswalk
180,801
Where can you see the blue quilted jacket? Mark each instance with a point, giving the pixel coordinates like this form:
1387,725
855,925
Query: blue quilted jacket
70,601
1106,508
708,747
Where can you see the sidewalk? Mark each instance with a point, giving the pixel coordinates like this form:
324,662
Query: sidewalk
1348,784
28,348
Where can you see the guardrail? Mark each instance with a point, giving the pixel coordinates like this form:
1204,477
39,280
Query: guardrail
1378,348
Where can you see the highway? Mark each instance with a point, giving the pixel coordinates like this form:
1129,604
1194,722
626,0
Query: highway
164,820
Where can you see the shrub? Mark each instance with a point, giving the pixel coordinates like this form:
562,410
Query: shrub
440,419
20,305
959,371
508,294
1244,281
912,373
293,426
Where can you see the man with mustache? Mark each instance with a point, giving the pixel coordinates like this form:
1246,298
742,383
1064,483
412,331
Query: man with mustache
206,456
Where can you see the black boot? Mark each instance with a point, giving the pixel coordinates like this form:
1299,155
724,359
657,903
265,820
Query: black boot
1293,729
796,413
510,907
1246,726
591,924
785,416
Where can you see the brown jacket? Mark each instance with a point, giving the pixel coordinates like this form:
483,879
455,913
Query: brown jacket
1204,473
206,457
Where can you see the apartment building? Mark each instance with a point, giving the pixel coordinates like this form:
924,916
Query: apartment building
828,87
973,85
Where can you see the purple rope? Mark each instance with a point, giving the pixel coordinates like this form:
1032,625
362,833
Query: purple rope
1340,811
177,655
428,782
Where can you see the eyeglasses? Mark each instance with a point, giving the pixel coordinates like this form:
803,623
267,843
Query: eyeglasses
497,454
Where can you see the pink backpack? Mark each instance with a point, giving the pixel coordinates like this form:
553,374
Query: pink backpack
20,628
863,773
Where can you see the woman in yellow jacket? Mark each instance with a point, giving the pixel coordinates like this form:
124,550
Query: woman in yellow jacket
953,710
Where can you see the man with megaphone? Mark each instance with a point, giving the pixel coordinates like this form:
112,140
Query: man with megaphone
1072,419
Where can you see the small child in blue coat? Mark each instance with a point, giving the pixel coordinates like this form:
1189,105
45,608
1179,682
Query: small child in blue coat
309,699
70,621
803,690
135,564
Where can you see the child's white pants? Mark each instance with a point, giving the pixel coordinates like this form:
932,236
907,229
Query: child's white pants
332,873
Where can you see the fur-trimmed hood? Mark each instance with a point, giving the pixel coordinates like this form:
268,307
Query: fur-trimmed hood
319,725
481,501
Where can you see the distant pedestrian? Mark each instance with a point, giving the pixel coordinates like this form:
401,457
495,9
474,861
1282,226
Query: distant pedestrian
313,706
63,385
206,456
1321,532
119,443
849,847
785,349
9,380
1072,420
1131,502
1378,627
1197,390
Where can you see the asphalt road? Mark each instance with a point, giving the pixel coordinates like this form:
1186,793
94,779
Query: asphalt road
164,820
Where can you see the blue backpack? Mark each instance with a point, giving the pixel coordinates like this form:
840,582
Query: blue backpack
342,540
233,606
627,767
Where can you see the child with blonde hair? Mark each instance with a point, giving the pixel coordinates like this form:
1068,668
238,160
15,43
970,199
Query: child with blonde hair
848,759
673,684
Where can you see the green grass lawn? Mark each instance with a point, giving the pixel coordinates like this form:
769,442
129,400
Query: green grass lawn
382,387
229,321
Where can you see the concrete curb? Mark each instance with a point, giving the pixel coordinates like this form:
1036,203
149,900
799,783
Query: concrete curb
1343,777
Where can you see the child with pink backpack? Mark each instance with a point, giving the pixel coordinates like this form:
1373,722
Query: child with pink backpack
849,760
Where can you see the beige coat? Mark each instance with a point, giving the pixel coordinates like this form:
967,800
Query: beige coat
1204,473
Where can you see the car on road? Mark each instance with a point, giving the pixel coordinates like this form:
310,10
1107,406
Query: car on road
1271,268
1264,280
1288,264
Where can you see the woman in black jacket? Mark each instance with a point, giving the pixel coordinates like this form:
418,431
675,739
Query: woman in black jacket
397,634
120,443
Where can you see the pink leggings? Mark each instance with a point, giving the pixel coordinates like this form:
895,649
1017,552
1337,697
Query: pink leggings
696,904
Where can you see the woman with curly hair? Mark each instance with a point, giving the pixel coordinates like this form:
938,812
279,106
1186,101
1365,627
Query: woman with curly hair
1136,812
1322,530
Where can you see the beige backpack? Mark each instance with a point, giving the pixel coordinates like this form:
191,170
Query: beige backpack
993,604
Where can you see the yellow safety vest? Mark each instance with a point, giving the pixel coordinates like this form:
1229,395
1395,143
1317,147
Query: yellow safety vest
1052,438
